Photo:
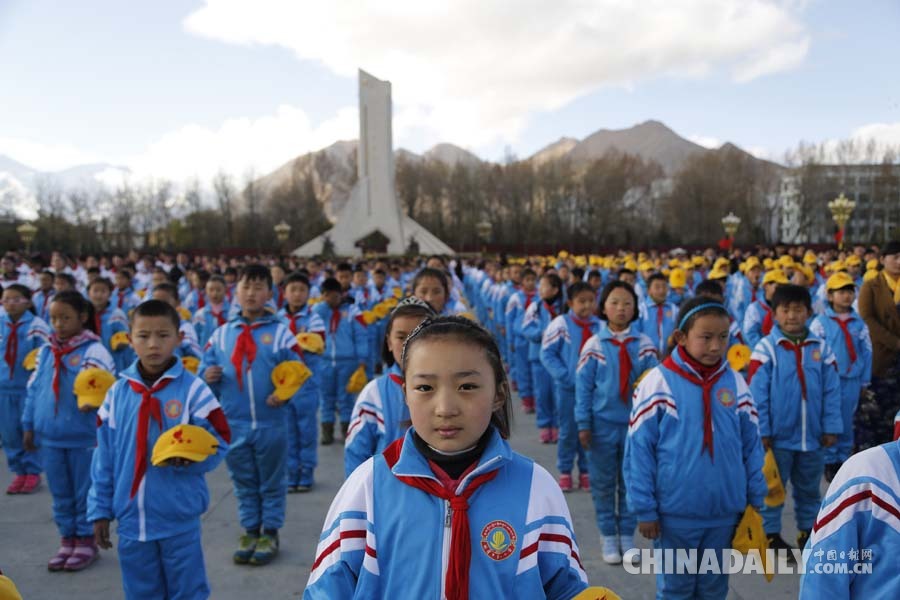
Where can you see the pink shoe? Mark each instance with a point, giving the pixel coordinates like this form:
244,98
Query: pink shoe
545,435
16,486
584,482
58,562
528,405
32,482
86,552
565,482
554,435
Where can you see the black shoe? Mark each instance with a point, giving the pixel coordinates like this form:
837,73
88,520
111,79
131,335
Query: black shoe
344,428
776,543
327,434
802,537
831,470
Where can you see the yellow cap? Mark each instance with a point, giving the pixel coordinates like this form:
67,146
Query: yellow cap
191,363
738,356
807,272
674,262
717,273
595,591
752,262
30,360
768,264
357,381
91,386
677,278
563,254
810,258
698,261
785,260
749,536
288,377
118,341
836,266
870,275
184,313
775,276
311,342
872,265
8,590
184,441
381,310
721,262
645,266
839,281
853,260
631,265
369,317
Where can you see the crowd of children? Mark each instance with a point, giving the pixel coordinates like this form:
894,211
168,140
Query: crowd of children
630,363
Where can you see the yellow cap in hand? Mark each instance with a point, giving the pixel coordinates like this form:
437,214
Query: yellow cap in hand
288,377
184,441
91,386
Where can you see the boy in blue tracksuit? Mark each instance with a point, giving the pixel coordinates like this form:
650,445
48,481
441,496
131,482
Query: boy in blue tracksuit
346,349
158,508
238,363
124,297
657,316
609,364
109,320
693,458
303,409
189,346
535,320
20,333
848,337
215,313
794,381
560,350
518,303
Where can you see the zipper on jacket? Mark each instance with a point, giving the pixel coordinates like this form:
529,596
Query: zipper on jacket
445,548
252,398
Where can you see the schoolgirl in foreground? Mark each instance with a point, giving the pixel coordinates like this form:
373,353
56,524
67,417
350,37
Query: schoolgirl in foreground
489,523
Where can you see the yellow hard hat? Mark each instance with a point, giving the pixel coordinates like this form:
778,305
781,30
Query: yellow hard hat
357,381
118,340
738,356
184,441
839,281
311,342
191,363
91,386
288,377
30,360
775,276
677,278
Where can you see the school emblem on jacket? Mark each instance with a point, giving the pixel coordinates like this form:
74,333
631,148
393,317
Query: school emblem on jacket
498,540
74,360
173,408
725,396
266,338
817,355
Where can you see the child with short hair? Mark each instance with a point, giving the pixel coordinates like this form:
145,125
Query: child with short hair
560,350
44,294
109,320
657,315
124,297
759,319
492,509
189,345
693,458
794,380
536,319
215,313
518,303
158,508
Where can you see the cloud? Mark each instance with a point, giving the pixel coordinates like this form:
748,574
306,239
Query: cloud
705,141
44,157
474,71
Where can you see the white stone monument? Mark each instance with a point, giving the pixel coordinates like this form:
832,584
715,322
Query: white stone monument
372,206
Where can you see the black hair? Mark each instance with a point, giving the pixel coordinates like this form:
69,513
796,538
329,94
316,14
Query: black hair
409,310
102,281
528,271
709,287
608,289
25,292
379,272
80,304
624,271
462,329
578,287
156,308
256,272
93,270
656,277
230,271
203,275
553,279
296,277
125,272
216,279
577,273
67,277
433,273
331,285
344,267
713,308
790,293
595,273
167,287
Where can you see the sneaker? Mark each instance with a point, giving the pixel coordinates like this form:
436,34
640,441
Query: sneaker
584,482
545,435
16,486
293,489
565,482
58,562
831,470
802,538
306,480
266,550
611,555
84,554
344,428
528,405
246,548
32,482
776,543
554,435
327,434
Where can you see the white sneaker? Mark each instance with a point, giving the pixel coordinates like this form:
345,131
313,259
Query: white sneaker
611,555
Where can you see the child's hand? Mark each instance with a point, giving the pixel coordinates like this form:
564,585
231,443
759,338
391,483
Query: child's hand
87,408
584,438
829,440
274,401
649,529
178,461
212,374
28,441
101,533
767,443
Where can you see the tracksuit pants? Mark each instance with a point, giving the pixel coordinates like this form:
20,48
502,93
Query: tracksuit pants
257,462
170,568
69,479
607,480
20,462
804,471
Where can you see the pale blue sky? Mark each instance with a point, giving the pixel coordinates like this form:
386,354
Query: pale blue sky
129,83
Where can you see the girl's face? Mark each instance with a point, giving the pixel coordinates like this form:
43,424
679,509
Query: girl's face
842,300
545,290
619,308
215,291
431,291
583,304
707,339
65,320
99,295
15,304
451,392
401,327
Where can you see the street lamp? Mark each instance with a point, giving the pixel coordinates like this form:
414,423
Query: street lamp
27,231
484,229
840,208
730,223
282,232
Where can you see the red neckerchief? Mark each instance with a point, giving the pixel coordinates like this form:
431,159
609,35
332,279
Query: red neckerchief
121,294
220,315
798,358
335,320
768,321
848,339
396,378
624,366
457,580
529,296
550,310
586,332
201,300
710,375
60,350
149,409
98,319
280,296
244,347
659,319
753,294
12,347
292,319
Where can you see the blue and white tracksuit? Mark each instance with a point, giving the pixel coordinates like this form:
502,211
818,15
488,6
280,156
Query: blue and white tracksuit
346,347
560,350
535,321
159,528
518,303
758,322
41,301
67,437
855,372
857,524
257,457
31,332
112,321
666,464
206,321
303,409
189,345
125,300
798,393
600,409
371,548
657,322
194,299
380,416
